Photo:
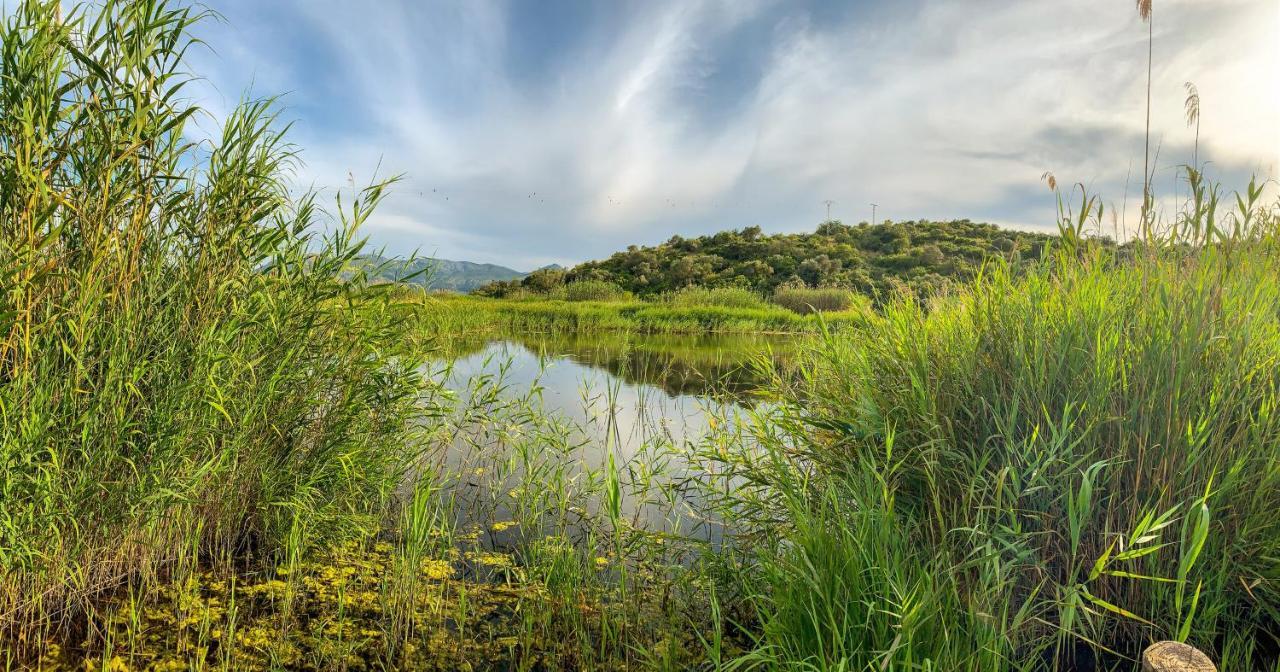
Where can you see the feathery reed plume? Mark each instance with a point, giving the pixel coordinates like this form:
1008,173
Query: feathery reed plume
1144,11
1193,118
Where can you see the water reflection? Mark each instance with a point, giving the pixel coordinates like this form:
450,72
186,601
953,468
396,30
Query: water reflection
554,413
718,366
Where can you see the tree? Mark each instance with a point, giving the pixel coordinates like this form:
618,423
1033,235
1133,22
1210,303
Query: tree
831,228
872,259
818,270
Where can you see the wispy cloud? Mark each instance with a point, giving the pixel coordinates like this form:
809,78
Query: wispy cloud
566,134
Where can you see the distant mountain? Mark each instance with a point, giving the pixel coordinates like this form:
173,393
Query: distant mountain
458,276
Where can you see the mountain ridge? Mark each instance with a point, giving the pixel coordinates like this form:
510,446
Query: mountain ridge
436,273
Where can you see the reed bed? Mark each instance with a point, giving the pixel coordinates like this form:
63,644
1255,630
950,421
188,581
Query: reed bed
1045,471
727,297
185,377
809,300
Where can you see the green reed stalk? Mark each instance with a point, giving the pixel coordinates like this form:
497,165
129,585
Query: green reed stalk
184,372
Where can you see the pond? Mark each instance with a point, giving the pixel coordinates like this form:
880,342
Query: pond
682,366
565,414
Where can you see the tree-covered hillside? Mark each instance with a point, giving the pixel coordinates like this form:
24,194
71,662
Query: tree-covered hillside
870,259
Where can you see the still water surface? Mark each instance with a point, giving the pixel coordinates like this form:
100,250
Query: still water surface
553,411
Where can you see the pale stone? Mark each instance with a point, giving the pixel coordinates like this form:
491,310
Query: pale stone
1175,657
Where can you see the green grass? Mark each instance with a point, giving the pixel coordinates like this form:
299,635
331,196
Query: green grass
1076,462
444,315
593,290
184,376
726,297
806,300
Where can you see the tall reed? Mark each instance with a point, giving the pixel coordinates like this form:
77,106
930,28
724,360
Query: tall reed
1040,470
185,376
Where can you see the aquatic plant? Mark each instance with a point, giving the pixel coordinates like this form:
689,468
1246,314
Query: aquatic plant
593,290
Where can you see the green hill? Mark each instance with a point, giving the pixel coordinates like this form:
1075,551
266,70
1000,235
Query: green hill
874,260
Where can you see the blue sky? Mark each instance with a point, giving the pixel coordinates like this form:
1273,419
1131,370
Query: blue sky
538,131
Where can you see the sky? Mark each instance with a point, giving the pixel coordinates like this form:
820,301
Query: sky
530,132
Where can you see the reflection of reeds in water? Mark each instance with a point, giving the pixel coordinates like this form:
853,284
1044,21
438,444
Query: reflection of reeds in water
610,416
591,505
721,366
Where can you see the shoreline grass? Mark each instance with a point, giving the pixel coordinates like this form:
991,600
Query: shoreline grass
458,314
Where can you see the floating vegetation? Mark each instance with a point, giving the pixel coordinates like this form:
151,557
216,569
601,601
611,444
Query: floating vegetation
339,611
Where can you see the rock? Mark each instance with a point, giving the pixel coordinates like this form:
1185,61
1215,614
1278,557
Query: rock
1175,657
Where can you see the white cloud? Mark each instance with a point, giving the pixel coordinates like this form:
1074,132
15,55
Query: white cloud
935,109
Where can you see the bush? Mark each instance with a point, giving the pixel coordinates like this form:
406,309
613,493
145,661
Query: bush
724,297
594,290
806,300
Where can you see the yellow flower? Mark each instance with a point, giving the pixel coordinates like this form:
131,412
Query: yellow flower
503,525
601,561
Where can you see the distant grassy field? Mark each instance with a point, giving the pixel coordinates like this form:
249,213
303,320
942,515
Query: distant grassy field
444,314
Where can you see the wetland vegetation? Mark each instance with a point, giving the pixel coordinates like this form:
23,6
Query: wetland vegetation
220,448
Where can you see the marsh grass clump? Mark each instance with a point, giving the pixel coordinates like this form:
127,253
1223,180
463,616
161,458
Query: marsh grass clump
807,300
186,373
725,297
593,290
